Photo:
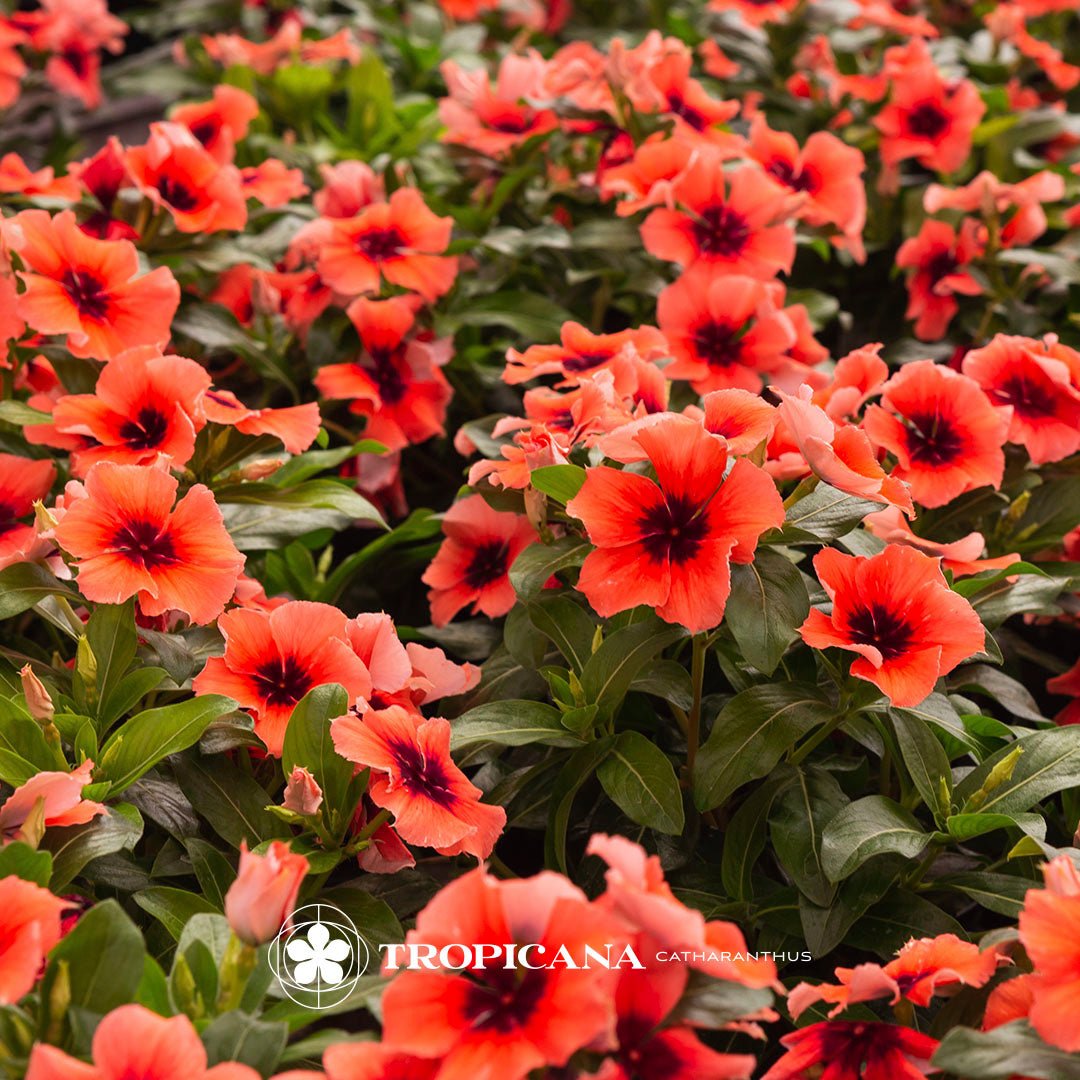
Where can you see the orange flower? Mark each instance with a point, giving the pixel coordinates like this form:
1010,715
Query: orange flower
896,612
22,482
261,899
29,928
579,351
414,777
130,540
296,425
221,123
400,240
87,288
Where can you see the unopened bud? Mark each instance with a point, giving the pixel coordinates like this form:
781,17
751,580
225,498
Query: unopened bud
302,793
38,702
261,469
44,518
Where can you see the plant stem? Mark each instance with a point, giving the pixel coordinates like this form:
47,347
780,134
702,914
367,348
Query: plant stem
815,740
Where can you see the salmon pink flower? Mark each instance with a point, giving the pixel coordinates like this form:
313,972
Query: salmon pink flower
144,404
742,418
724,330
23,482
579,351
414,777
1040,383
221,123
372,1061
856,378
272,659
272,183
937,257
347,188
12,65
493,118
400,240
669,544
923,968
897,613
841,456
757,12
60,795
296,425
472,565
130,540
685,98
397,384
29,928
133,1042
732,222
501,1023
302,792
1048,932
17,177
948,438
175,172
261,899
852,1051
87,288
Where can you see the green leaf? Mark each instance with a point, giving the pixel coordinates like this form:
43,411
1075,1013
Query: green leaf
578,769
308,743
22,415
897,918
110,634
236,1036
1029,594
567,625
751,733
173,907
23,749
212,869
231,801
511,723
612,669
1010,1050
825,514
767,605
666,679
926,761
21,860
865,828
744,839
304,466
104,955
534,317
967,826
140,743
536,563
73,846
639,778
527,645
1050,762
26,584
1000,893
560,482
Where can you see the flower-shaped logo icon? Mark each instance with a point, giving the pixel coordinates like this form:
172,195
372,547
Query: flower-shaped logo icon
318,956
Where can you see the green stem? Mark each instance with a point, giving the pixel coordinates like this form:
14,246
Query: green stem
373,826
807,748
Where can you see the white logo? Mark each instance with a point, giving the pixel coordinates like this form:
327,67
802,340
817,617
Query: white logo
319,956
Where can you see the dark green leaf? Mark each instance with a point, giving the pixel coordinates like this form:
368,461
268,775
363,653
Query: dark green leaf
1000,893
641,781
767,605
538,562
865,828
173,907
511,723
825,514
26,584
236,1036
20,860
611,670
577,770
567,624
73,846
1010,1050
926,761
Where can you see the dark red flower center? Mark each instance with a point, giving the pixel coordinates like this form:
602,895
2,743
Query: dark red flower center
7,518
678,106
884,629
585,361
488,563
674,530
927,120
1027,398
718,344
146,431
379,244
721,231
934,439
205,132
507,1001
177,194
789,176
282,681
512,123
77,59
387,375
87,293
421,775
145,543
941,264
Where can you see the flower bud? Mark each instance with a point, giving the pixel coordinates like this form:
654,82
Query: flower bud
260,469
302,793
38,702
264,893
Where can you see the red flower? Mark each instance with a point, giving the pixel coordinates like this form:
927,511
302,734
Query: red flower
928,117
176,173
897,613
398,384
728,221
937,256
370,1061
296,425
1039,383
862,1051
400,240
948,438
22,483
743,419
272,659
130,540
144,404
580,351
922,969
12,65
29,928
496,1022
414,776
221,123
88,288
669,544
724,330
471,566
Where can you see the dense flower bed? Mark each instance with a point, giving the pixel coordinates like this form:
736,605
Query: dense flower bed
540,479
